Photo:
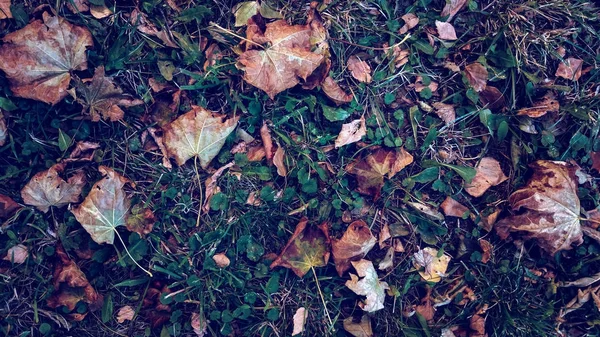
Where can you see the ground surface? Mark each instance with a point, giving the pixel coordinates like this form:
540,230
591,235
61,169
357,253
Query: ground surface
507,288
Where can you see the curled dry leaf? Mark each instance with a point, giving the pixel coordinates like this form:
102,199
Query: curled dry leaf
356,242
71,285
452,8
427,210
126,313
299,321
210,185
221,260
359,69
410,22
477,76
351,132
451,207
38,58
371,170
7,206
141,220
307,248
5,12
445,112
361,328
369,286
3,129
335,92
17,254
265,136
47,188
279,161
445,31
83,151
144,25
157,136
434,266
101,98
487,250
105,208
198,133
569,69
488,174
550,207
199,324
548,103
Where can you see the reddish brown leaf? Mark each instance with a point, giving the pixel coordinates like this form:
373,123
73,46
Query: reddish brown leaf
335,93
7,206
487,250
569,69
549,207
489,173
477,76
307,248
356,242
492,98
279,161
38,58
47,188
371,170
359,69
451,207
548,103
595,160
5,12
265,135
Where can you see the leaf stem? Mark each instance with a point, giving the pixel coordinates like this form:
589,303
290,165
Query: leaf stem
322,297
200,191
129,254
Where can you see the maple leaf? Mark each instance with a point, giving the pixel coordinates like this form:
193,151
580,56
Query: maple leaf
359,69
550,207
356,242
5,12
37,59
101,98
47,188
477,76
288,60
371,170
71,285
359,329
335,93
445,31
431,266
351,132
105,208
198,133
488,174
570,69
369,285
307,248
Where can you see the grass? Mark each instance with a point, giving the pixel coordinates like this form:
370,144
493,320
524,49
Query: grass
518,42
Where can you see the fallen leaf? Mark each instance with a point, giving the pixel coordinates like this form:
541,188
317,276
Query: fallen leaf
569,69
101,98
307,248
477,325
425,308
434,266
548,103
160,142
141,220
487,250
359,69
335,93
400,56
492,98
488,174
144,25
100,11
371,170
550,207
17,254
595,156
356,242
212,55
359,329
83,151
288,60
410,22
7,206
279,161
221,260
369,286
384,235
198,133
351,132
265,136
105,208
388,260
47,188
477,76
427,210
199,324
126,313
445,31
38,58
5,12
299,320
452,8
157,313
445,112
71,285
451,207
210,185
3,129
247,9
420,86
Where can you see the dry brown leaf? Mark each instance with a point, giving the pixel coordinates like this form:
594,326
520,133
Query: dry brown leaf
487,250
17,254
210,185
335,92
492,98
47,188
388,260
445,112
7,206
548,103
428,210
569,69
434,266
371,170
477,325
400,56
212,54
105,208
595,156
126,313
160,142
359,69
199,324
351,132
140,220
356,242
549,205
265,136
445,31
5,12
426,308
452,8
384,235
83,151
101,98
142,23
477,76
221,260
279,161
71,285
359,329
419,86
489,173
451,207
299,320
199,133
369,286
38,58
100,12
410,22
